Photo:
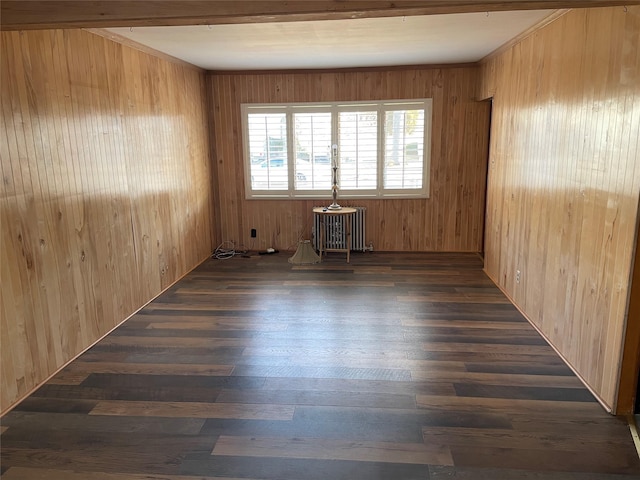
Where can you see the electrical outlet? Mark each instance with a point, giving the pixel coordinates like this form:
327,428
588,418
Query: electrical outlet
253,233
517,276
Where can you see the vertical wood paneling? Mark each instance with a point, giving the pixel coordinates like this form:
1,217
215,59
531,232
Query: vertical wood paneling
564,182
105,192
450,220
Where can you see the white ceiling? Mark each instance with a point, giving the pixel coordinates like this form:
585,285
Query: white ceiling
368,42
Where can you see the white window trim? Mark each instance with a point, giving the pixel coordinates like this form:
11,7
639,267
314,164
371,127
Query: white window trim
334,107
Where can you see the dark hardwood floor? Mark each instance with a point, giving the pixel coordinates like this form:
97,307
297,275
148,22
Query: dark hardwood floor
409,366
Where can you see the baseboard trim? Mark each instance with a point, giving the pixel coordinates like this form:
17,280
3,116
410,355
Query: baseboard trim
633,426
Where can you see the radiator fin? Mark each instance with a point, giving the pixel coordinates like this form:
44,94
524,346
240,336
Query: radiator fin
335,234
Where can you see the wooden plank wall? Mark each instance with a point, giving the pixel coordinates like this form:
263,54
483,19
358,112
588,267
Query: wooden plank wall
105,198
564,183
450,220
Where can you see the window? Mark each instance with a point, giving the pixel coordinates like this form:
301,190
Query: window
381,149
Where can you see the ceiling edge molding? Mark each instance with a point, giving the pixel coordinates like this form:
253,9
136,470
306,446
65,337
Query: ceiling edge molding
114,37
529,31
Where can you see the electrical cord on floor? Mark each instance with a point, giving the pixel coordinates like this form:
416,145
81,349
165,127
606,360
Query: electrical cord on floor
224,251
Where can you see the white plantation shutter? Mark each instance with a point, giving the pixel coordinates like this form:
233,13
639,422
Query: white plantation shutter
403,149
312,149
268,159
358,147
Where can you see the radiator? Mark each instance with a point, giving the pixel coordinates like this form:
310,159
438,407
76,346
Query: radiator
335,234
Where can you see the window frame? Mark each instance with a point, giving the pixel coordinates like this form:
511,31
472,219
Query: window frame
380,106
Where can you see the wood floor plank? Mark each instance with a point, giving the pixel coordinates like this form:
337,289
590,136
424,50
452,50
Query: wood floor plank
348,385
296,469
462,325
516,439
323,372
328,398
193,410
484,379
173,309
151,338
392,362
209,325
339,283
56,405
413,417
144,318
115,380
320,449
518,368
325,426
485,356
82,369
228,292
548,459
480,347
459,298
531,391
156,394
503,338
438,472
96,460
563,408
616,428
22,473
326,351
35,421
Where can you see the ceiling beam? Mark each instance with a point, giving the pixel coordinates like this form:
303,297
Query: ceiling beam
46,14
